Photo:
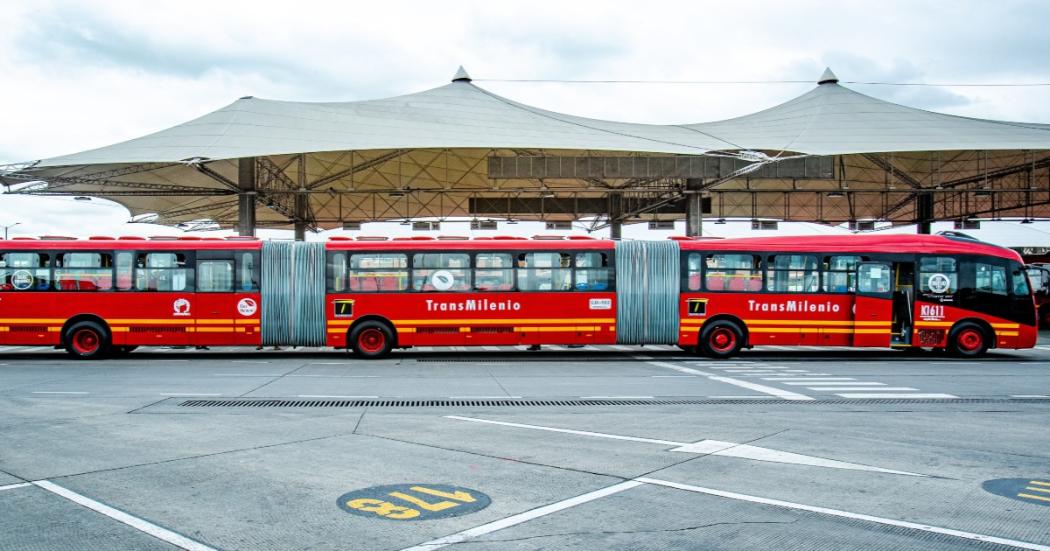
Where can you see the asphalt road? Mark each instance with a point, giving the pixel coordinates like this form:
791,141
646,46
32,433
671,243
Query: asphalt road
593,448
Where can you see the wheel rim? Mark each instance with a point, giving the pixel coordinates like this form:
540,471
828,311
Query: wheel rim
722,340
86,341
970,340
371,341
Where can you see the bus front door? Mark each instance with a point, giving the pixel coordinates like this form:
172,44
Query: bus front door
873,308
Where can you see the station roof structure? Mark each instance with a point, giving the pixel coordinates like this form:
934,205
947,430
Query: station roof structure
831,154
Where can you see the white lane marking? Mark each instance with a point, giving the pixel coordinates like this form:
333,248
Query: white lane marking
186,394
56,392
847,514
13,486
423,348
891,395
818,383
796,371
251,361
861,388
331,396
137,523
246,374
1043,347
756,453
808,379
554,347
483,397
709,447
330,363
568,431
490,348
749,396
674,376
616,397
620,347
780,393
1029,396
519,518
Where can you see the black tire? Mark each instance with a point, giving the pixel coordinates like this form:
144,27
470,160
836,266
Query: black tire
968,340
86,340
371,339
721,339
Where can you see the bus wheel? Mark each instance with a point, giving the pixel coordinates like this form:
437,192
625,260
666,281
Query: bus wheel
372,339
86,340
967,340
721,339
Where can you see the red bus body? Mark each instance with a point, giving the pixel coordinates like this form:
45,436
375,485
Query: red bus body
41,307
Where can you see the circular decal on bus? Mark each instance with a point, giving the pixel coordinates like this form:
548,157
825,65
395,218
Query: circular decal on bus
413,501
442,280
22,280
247,307
939,283
181,307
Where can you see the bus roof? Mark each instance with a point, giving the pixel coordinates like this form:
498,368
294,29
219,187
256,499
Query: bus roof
127,243
892,243
473,245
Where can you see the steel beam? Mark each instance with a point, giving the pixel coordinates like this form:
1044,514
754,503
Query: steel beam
246,180
615,215
694,216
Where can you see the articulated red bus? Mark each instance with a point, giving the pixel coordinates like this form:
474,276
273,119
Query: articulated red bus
103,296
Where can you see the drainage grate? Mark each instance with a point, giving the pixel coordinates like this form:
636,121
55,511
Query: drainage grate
445,403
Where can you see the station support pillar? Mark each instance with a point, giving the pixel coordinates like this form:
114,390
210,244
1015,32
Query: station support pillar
694,216
301,201
615,216
923,212
246,194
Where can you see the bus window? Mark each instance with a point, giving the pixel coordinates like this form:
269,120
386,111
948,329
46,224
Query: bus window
793,273
441,272
1020,286
246,277
989,278
125,270
25,272
493,272
337,272
215,276
378,272
162,272
593,272
692,271
733,272
873,278
938,275
544,271
84,272
840,274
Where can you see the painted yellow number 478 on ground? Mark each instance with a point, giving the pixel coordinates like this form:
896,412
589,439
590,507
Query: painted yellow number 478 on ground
414,501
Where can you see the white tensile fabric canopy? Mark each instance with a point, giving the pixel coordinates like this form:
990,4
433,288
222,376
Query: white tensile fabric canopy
828,120
424,154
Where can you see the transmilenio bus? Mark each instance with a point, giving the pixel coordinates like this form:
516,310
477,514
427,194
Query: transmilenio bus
102,296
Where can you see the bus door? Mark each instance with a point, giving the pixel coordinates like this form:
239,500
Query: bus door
903,302
215,308
873,310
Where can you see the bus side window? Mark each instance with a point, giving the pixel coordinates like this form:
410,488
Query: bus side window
84,271
938,275
793,273
25,271
215,276
593,272
840,274
246,276
692,271
337,272
370,272
163,272
1020,287
493,272
125,270
733,272
544,271
990,278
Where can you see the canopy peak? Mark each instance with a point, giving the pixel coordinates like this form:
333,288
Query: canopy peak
461,75
828,77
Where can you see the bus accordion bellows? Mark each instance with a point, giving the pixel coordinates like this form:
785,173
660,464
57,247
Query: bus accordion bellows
100,297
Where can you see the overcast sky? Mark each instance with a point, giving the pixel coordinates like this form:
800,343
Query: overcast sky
78,75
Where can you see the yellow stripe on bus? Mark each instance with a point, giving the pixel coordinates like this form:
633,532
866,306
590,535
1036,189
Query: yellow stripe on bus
336,323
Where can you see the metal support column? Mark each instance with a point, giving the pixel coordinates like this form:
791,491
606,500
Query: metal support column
694,216
246,180
301,198
924,212
615,215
